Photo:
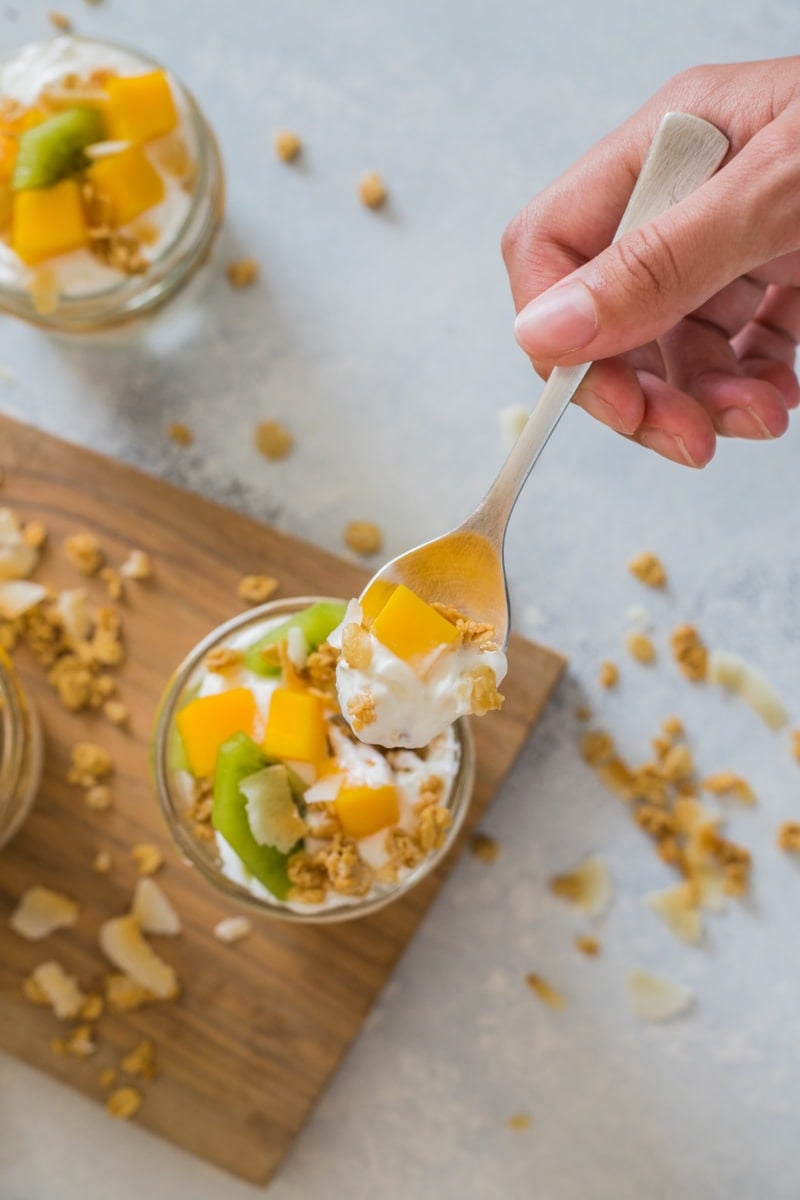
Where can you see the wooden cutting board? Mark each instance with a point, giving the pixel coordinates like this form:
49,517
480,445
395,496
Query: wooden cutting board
259,1028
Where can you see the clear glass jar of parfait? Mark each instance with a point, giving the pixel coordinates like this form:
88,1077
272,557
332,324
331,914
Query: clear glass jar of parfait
266,790
20,751
111,184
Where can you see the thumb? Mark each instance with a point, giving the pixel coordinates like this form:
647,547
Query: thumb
655,275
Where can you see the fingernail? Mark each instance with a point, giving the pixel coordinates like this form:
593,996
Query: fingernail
599,408
743,423
666,444
558,322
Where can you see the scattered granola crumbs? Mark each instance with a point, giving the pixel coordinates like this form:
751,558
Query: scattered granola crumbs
583,713
80,1043
789,837
546,993
113,581
795,743
124,1102
232,929
484,847
648,569
640,648
147,857
272,439
588,887
609,674
180,433
93,1008
222,659
102,862
372,191
256,589
99,798
59,21
137,566
60,990
141,1061
587,945
242,273
124,994
85,552
35,534
107,1078
153,911
122,943
89,763
361,708
117,712
597,747
677,764
733,673
519,1122
653,998
363,537
673,727
356,646
33,992
40,911
689,653
287,145
728,785
678,907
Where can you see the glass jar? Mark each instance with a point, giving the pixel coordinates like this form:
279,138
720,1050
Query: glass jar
176,805
35,296
20,751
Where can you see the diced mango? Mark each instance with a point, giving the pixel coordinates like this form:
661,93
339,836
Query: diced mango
8,156
374,598
6,206
48,221
140,107
207,722
410,628
365,810
129,182
296,727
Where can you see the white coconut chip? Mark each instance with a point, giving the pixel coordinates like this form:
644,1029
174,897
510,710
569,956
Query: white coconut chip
589,887
654,998
40,911
325,790
152,911
296,648
232,929
122,941
678,909
733,673
511,421
73,610
61,989
18,595
17,558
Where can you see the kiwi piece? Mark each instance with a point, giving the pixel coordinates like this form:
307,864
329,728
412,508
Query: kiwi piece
53,150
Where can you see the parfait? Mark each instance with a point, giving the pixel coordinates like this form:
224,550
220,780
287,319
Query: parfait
110,183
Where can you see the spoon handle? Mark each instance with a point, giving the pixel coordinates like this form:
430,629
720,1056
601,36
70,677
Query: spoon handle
684,153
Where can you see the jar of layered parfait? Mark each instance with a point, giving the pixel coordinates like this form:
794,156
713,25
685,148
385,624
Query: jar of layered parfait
20,751
111,184
271,795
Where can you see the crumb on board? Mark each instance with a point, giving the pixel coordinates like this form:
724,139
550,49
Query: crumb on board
287,145
648,569
273,440
99,798
124,1102
519,1122
484,847
137,566
85,552
89,763
242,272
689,653
549,995
180,433
256,589
609,674
789,837
372,191
640,647
587,945
101,863
147,858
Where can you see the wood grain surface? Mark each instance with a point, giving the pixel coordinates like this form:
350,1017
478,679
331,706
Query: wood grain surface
260,1026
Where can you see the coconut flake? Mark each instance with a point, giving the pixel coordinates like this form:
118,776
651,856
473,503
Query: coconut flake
588,887
511,421
60,989
152,911
41,911
325,790
733,673
677,907
18,595
296,648
271,811
74,612
654,998
232,929
122,942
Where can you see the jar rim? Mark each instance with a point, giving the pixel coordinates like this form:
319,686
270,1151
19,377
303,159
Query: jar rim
190,847
20,745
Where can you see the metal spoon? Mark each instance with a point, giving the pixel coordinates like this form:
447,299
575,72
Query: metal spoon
465,568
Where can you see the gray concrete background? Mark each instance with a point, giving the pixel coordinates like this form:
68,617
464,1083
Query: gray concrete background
384,342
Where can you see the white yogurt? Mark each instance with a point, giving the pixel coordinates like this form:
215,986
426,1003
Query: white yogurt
411,709
43,64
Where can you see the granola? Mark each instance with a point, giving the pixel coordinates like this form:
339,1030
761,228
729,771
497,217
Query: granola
256,589
273,440
287,145
242,273
372,190
648,569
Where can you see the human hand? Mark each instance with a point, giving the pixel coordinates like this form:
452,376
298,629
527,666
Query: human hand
695,316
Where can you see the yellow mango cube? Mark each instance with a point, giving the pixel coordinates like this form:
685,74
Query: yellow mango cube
8,156
410,628
140,107
205,723
296,727
129,182
374,598
48,221
366,810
